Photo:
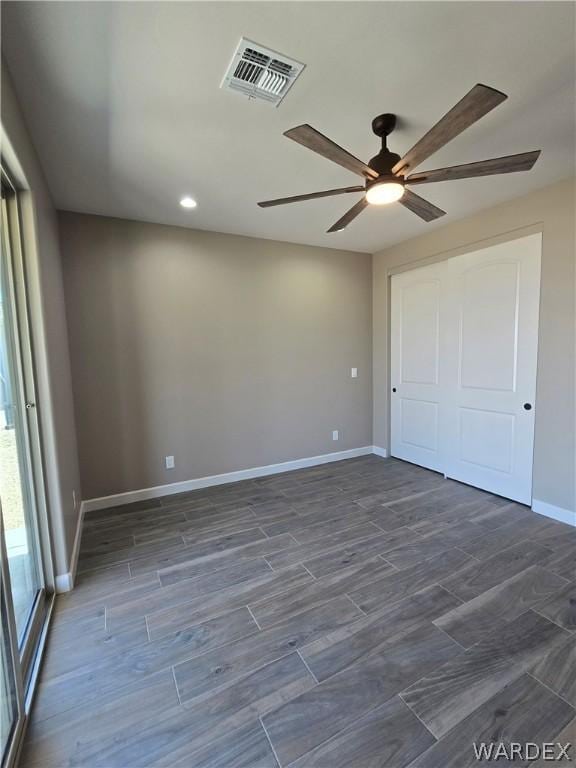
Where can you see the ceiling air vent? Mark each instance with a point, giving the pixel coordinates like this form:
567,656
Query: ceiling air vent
260,73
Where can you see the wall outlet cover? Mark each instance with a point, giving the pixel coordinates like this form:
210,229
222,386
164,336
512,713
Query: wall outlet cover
169,462
354,373
335,435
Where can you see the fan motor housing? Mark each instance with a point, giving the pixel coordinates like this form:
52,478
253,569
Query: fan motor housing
384,161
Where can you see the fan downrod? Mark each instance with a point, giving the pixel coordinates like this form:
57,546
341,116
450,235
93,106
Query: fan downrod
384,161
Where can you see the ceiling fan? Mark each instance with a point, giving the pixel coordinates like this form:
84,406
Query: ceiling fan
387,174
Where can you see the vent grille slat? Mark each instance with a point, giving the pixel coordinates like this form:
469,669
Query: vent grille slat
260,73
280,66
251,55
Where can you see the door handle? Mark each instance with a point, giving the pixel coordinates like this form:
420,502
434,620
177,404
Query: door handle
527,406
30,405
393,389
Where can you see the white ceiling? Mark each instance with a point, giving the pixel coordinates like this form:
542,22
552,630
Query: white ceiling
124,105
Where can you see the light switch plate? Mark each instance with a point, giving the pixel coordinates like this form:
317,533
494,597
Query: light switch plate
335,435
354,373
169,462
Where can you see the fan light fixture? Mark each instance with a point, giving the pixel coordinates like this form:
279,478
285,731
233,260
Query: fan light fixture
382,194
388,177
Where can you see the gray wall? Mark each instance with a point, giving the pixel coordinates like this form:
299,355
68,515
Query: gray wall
52,360
226,352
551,211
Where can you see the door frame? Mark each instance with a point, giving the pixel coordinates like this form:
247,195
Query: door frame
464,248
27,656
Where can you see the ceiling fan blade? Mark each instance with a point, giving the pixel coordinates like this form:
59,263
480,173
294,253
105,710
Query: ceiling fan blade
349,216
477,103
509,164
311,196
420,207
312,139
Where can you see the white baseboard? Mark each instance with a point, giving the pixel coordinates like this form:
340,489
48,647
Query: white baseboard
382,452
65,581
117,499
556,513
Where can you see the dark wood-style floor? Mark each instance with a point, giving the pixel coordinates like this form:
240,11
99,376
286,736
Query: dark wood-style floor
359,614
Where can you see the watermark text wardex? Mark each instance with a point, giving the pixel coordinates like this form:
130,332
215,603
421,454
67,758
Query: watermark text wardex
527,751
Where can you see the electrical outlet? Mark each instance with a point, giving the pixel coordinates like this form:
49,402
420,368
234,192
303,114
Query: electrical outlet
169,462
335,435
354,373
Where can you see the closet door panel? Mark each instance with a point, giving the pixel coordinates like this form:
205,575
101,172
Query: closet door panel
416,366
491,346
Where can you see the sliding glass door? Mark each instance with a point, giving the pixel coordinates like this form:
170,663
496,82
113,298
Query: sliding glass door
11,692
23,595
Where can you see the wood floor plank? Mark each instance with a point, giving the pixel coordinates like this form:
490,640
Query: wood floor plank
121,510
134,553
301,522
558,537
189,506
183,564
564,741
199,530
389,736
306,508
557,669
215,544
439,501
407,555
66,654
499,512
403,489
348,645
505,536
76,737
473,621
67,626
564,564
561,608
178,734
523,712
246,747
134,519
302,724
94,587
120,528
101,678
450,693
215,514
289,602
479,576
358,551
400,584
305,534
97,545
130,591
206,606
126,606
308,551
224,665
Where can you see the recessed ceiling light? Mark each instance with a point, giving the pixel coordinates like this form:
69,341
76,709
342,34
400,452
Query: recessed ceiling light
188,202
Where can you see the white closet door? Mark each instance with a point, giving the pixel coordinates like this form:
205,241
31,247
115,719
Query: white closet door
415,366
491,338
